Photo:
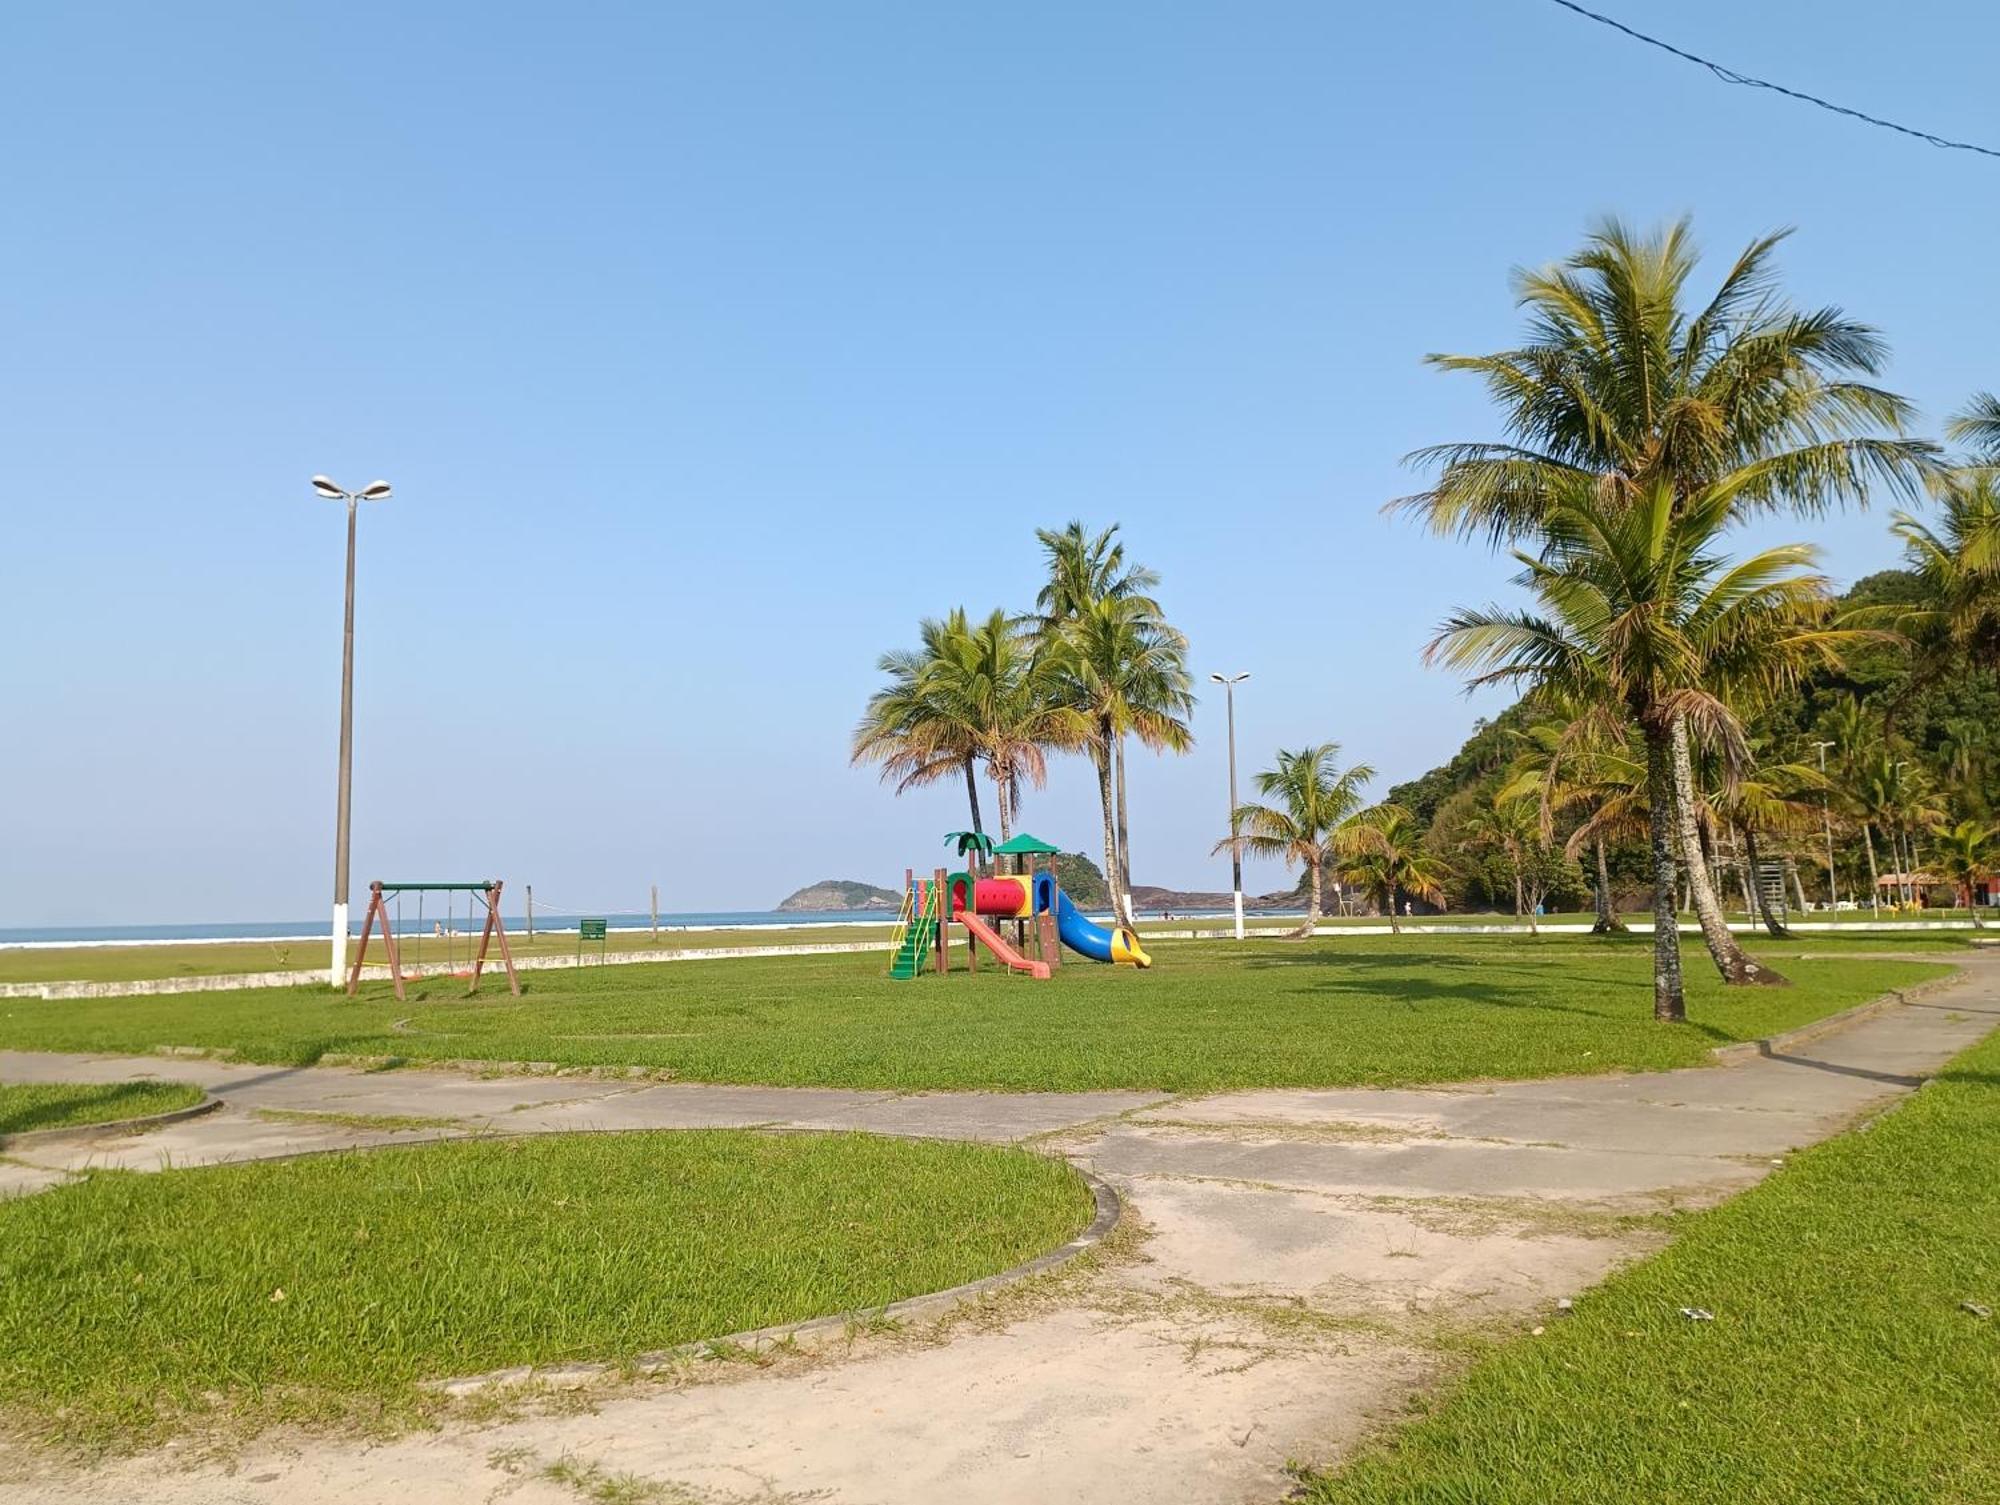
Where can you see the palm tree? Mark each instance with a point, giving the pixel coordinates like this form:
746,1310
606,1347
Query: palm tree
1967,855
1583,766
1742,406
1511,826
974,693
1622,385
1308,800
1772,799
1382,853
910,727
1638,614
1958,560
1978,426
1121,665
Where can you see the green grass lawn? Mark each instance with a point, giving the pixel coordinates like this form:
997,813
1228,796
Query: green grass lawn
1337,1010
328,1288
26,1108
215,958
1841,1365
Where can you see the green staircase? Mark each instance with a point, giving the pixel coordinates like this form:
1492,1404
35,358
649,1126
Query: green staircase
912,943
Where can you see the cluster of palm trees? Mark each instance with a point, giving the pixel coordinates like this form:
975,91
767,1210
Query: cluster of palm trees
1642,431
1311,813
1095,666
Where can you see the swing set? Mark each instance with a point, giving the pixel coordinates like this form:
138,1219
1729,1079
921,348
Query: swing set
483,895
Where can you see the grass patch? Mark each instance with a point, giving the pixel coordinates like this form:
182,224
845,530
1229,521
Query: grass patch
328,1288
1842,1363
28,1107
1331,1011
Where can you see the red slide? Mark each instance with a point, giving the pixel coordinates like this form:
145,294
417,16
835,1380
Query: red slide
988,937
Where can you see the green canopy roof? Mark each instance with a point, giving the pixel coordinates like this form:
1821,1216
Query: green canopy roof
1025,845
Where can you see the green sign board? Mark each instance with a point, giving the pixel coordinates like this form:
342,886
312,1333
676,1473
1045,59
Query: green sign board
592,930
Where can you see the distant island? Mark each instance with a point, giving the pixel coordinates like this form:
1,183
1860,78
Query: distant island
840,893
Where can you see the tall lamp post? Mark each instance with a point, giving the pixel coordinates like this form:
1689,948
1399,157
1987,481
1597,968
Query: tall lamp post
1229,684
374,491
1826,818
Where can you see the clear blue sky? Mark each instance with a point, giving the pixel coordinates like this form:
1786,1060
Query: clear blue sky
708,346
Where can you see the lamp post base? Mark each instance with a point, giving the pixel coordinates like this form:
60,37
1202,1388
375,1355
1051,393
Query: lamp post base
336,974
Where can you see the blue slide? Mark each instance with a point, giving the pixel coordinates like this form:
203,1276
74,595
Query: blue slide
1094,941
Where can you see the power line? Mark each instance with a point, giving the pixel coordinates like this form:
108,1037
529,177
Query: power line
1731,76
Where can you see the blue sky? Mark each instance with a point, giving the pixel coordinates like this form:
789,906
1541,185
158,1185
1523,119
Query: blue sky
708,347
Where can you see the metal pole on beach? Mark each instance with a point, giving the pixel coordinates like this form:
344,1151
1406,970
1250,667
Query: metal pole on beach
1229,685
374,491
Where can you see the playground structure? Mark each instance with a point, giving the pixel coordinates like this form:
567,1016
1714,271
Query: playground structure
1044,918
485,893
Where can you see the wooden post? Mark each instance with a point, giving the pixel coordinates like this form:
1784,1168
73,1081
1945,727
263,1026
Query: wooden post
656,914
943,927
377,905
495,926
531,915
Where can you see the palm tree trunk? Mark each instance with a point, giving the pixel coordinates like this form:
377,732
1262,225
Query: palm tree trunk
1003,781
1798,886
1394,928
1736,968
1101,756
972,794
1874,878
1669,991
1739,839
1771,922
1124,904
1312,902
1607,922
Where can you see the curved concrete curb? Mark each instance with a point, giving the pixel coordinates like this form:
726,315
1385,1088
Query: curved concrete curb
813,1330
1816,1029
110,1128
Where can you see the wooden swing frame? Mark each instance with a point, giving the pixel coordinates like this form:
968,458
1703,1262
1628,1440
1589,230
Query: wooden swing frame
487,889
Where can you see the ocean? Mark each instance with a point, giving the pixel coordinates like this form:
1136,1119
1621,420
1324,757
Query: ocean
434,914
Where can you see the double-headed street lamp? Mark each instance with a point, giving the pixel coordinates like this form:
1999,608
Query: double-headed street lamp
1229,684
374,491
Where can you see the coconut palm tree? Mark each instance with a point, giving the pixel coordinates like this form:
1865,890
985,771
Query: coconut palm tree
1639,614
1978,426
910,727
1381,851
1511,826
1624,384
1744,405
1770,799
1583,767
1967,855
1957,557
975,693
1308,800
1118,662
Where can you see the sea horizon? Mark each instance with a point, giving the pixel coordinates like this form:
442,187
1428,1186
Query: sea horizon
198,932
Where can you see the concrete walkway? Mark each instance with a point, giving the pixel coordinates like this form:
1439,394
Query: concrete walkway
1294,1258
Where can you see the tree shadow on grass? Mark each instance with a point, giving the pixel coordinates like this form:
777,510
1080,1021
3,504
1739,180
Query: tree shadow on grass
1969,1078
112,1097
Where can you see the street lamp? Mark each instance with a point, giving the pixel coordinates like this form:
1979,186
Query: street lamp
1906,847
1826,818
374,491
1229,684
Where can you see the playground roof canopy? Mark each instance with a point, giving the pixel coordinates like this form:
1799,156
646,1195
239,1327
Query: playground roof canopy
1025,845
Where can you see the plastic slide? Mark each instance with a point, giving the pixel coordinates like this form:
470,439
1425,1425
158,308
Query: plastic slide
990,939
1094,941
